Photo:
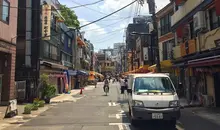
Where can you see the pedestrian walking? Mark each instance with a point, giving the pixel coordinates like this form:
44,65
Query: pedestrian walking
122,84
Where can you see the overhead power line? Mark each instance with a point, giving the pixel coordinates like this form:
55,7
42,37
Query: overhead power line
109,14
88,23
88,4
24,8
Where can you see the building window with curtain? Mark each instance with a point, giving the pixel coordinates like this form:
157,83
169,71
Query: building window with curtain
167,49
165,24
53,52
46,50
4,11
214,19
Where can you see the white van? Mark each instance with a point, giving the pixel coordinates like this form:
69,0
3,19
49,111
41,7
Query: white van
152,97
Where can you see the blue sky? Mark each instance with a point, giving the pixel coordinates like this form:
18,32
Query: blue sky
105,33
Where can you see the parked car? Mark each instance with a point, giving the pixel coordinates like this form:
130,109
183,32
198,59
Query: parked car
152,97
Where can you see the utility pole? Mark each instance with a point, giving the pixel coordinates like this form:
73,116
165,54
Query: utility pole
151,4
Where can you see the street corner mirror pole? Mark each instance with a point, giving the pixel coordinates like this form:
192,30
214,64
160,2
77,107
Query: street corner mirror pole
151,5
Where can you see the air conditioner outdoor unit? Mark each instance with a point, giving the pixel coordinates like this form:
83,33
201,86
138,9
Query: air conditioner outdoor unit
199,21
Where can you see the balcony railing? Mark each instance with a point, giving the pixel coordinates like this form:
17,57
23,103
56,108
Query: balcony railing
184,10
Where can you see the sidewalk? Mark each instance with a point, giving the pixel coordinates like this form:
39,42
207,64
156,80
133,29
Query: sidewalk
212,114
11,123
69,97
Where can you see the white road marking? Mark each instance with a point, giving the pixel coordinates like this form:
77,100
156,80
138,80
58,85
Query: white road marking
120,125
112,104
121,111
117,116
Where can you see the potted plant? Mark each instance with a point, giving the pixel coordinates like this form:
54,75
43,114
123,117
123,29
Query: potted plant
49,92
41,103
34,107
27,109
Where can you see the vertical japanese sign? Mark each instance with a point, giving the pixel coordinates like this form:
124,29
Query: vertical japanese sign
46,21
145,53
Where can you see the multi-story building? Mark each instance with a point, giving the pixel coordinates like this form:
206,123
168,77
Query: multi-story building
166,38
106,63
140,26
8,35
196,24
44,45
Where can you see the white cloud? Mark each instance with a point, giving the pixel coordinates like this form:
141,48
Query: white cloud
88,29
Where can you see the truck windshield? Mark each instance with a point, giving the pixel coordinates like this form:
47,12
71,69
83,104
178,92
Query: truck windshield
153,84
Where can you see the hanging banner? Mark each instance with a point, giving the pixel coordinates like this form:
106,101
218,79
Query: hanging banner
145,53
46,21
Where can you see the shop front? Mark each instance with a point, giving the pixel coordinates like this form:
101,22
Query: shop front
206,73
56,75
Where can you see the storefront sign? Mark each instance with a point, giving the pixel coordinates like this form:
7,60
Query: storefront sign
13,105
46,21
145,53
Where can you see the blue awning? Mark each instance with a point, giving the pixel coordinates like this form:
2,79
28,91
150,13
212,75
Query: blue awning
72,72
189,15
77,72
80,72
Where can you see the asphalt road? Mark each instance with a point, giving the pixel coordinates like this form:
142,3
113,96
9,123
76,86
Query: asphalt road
95,111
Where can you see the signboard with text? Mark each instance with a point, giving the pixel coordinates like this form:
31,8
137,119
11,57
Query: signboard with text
46,21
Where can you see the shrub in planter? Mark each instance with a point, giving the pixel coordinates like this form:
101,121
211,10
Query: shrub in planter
34,107
41,103
49,92
28,108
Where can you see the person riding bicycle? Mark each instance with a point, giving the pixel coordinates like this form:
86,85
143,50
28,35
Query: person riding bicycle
106,83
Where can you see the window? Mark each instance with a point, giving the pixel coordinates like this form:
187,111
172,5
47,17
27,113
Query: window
153,84
68,58
62,37
69,42
165,24
63,57
214,19
4,11
167,49
46,50
53,52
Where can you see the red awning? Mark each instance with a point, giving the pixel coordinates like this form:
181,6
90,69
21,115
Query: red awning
209,62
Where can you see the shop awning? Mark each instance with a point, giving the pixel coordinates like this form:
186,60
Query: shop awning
53,65
80,42
166,64
152,68
163,64
72,72
209,61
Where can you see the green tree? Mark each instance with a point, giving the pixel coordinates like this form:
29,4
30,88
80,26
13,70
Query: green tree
71,19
